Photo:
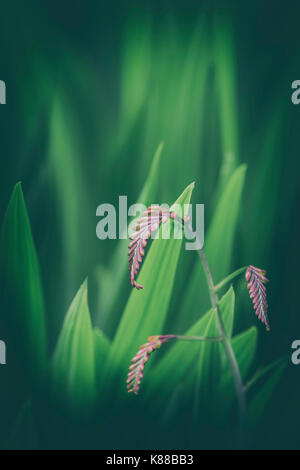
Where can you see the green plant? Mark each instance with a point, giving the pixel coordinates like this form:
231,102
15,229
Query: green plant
87,369
80,128
146,226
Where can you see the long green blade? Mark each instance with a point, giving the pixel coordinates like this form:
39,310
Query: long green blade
146,310
112,277
64,159
260,389
73,367
23,312
218,247
224,59
102,346
136,63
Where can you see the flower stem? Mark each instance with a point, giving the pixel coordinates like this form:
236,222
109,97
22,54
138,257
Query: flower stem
239,388
236,375
229,278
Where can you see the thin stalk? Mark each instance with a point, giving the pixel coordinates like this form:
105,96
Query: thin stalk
200,338
229,278
238,383
234,368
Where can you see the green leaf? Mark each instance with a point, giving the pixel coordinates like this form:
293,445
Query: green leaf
218,246
23,312
190,62
68,179
267,173
260,389
102,346
177,363
146,310
220,238
225,69
73,367
136,63
112,278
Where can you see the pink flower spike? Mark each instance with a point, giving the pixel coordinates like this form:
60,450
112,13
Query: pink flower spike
147,225
256,285
136,369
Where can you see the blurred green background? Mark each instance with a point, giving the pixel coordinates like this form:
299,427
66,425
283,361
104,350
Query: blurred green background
92,89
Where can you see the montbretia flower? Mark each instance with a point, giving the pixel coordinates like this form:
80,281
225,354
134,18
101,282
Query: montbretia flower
136,370
256,284
146,225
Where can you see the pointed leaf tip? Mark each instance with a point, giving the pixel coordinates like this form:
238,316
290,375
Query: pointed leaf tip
21,286
73,366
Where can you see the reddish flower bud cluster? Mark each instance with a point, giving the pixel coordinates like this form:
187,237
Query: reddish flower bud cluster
256,284
146,225
136,370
